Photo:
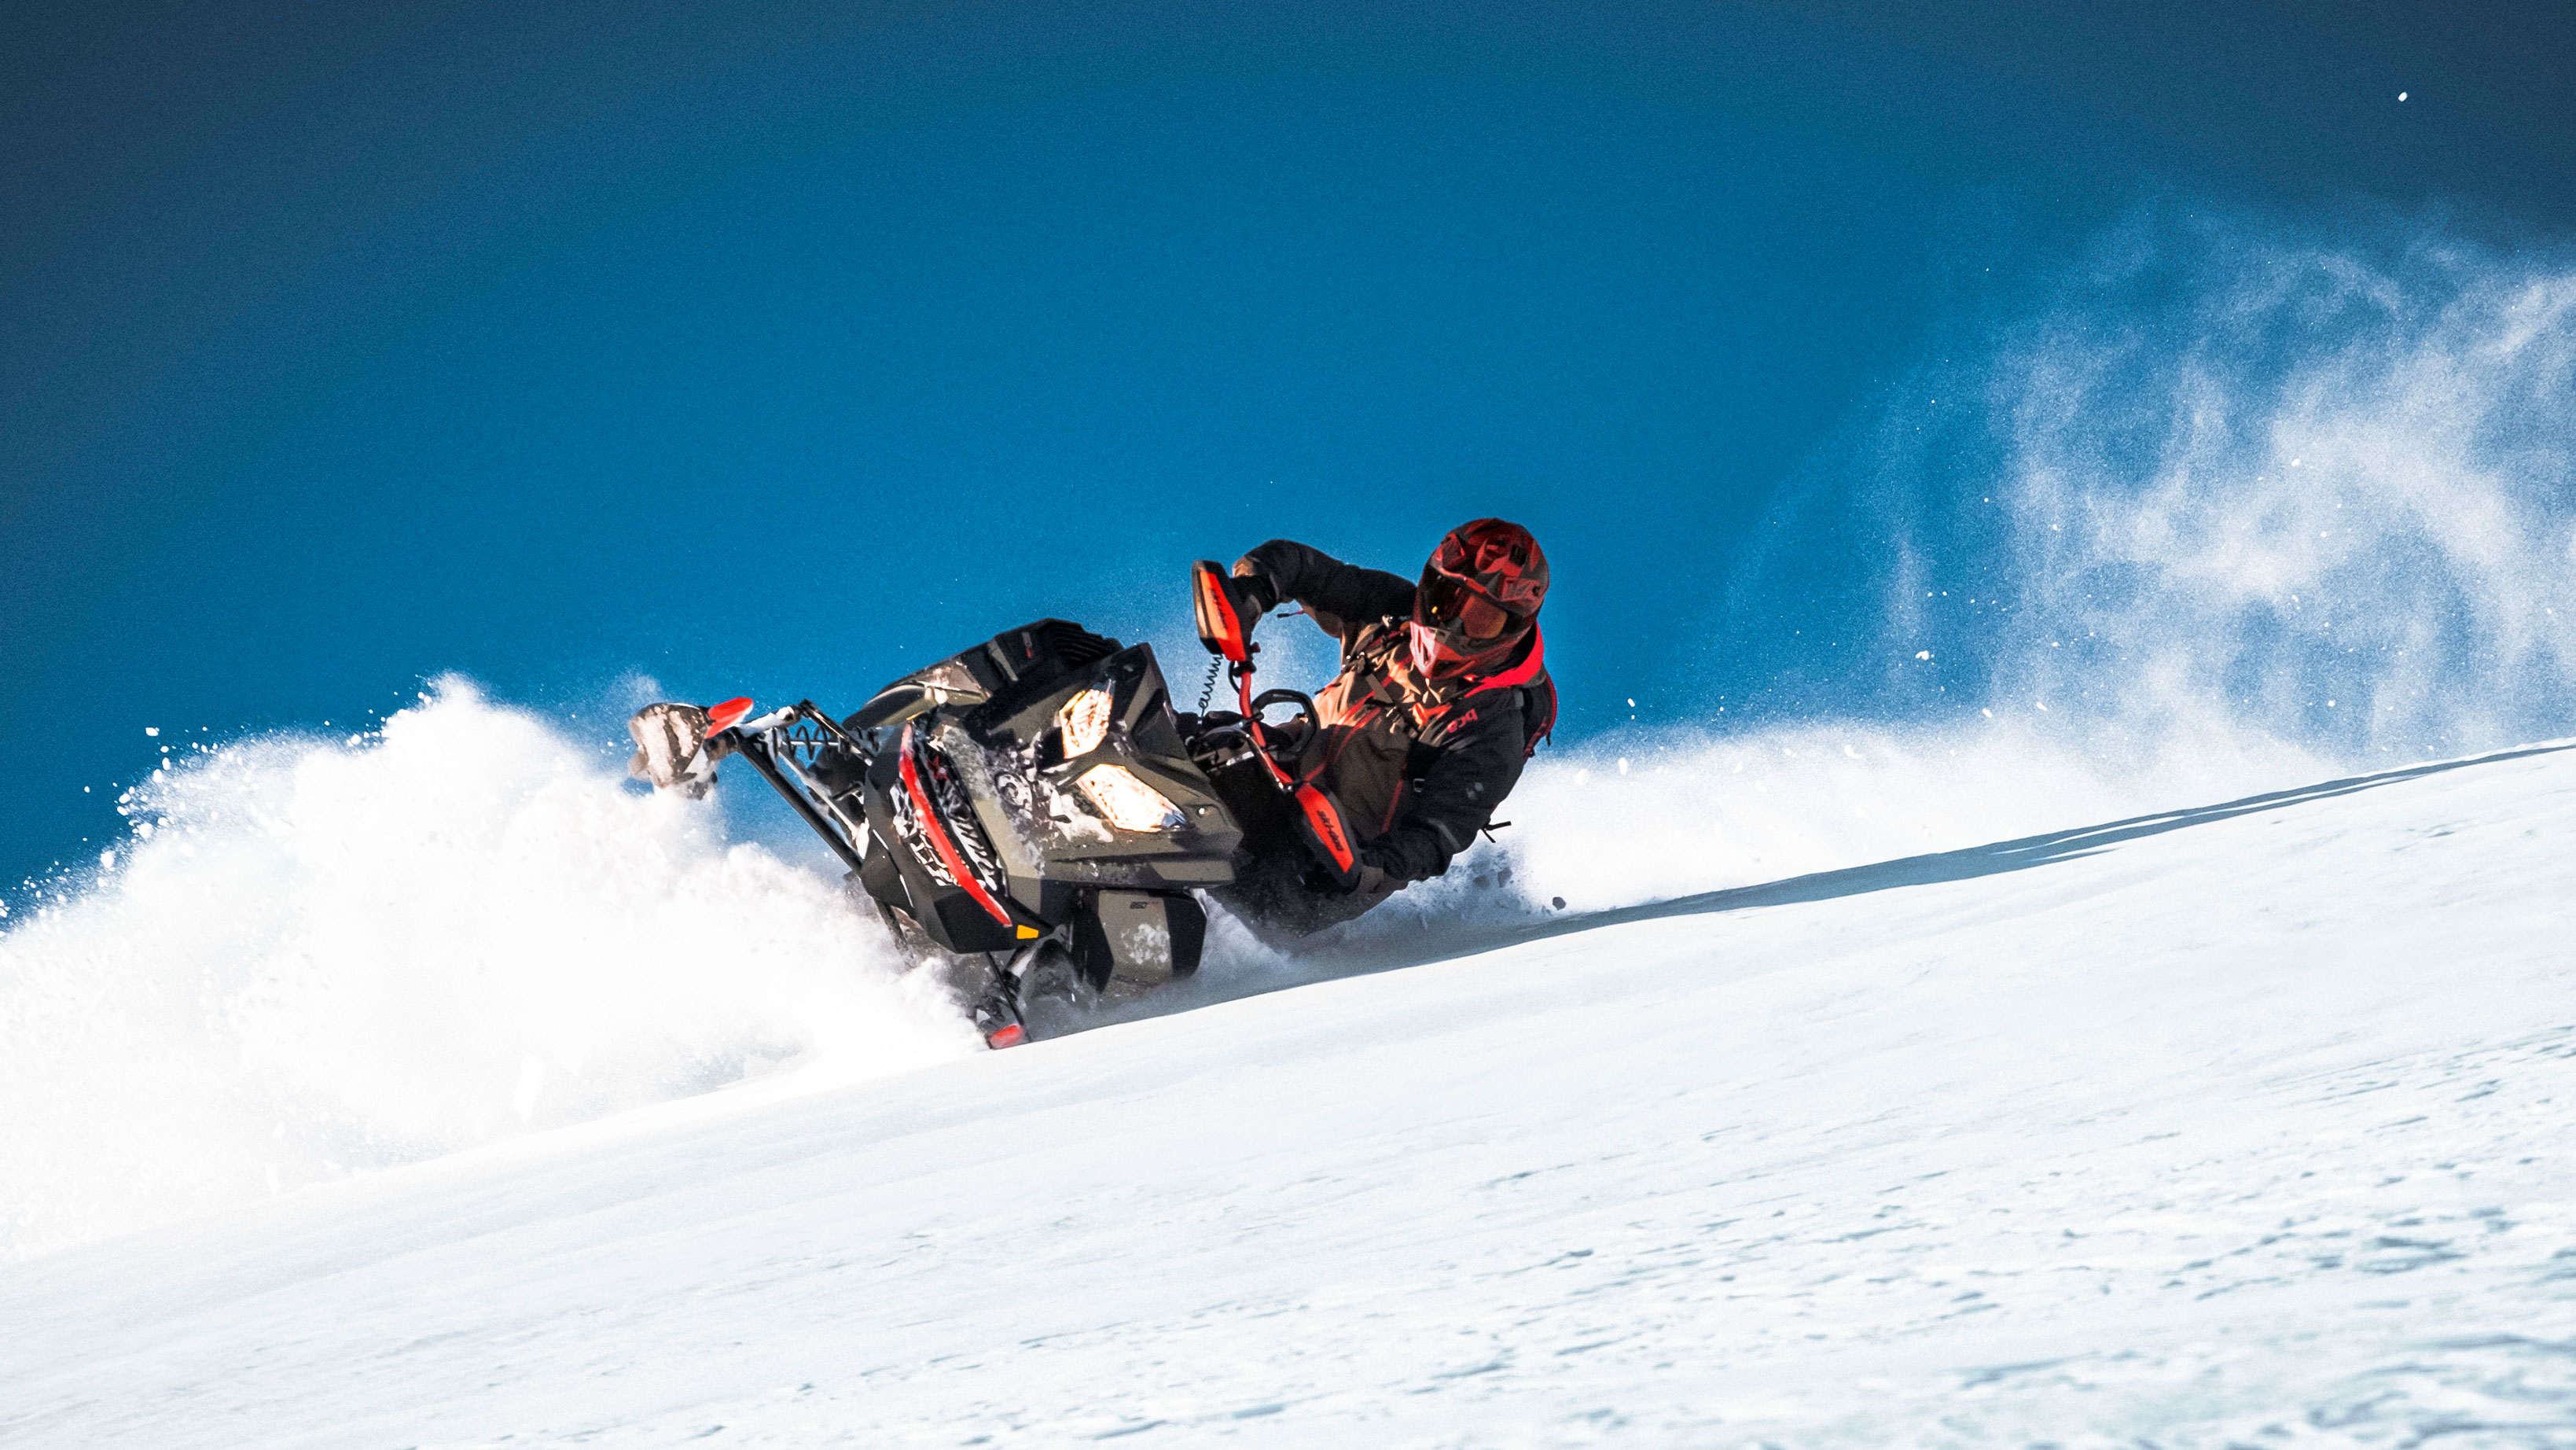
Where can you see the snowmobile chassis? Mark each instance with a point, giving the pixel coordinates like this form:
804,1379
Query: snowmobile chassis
1031,796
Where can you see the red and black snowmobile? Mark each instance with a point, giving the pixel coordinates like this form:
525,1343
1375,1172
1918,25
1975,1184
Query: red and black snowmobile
1031,808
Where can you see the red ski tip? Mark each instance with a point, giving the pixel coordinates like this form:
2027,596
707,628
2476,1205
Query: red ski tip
1001,1037
724,716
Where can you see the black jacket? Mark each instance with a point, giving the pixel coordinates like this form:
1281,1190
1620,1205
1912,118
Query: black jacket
1459,762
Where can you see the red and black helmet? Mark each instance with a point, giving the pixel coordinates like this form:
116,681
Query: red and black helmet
1477,598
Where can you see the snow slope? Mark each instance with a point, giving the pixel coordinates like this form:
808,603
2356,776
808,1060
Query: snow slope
2250,1125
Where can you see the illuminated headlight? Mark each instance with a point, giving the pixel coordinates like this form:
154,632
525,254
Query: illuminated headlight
1084,720
1129,803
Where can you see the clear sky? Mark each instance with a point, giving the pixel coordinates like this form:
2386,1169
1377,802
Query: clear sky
780,348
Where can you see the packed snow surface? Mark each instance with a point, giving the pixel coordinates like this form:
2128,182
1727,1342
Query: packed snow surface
2243,1125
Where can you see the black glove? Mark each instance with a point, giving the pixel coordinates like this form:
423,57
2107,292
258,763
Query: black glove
1254,586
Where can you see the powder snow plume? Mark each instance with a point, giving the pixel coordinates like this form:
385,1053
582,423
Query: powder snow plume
2227,508
2223,473
317,957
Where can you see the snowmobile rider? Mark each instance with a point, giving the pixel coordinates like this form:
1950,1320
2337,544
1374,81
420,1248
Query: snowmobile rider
1443,693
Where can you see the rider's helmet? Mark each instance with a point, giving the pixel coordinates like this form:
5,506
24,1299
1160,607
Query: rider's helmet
1478,598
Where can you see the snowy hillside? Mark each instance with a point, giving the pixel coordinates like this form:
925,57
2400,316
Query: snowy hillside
2251,1125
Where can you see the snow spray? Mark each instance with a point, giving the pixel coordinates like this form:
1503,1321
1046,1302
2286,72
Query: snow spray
2225,510
318,956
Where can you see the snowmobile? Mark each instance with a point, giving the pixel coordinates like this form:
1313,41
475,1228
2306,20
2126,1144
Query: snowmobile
1031,809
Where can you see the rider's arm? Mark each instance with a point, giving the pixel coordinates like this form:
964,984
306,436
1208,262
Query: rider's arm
1296,573
1474,771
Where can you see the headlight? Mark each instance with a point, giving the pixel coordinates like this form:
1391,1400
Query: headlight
1084,720
1129,803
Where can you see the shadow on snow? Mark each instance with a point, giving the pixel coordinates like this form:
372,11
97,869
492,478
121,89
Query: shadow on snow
1378,952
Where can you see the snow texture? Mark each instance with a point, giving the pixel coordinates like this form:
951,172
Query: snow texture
316,957
2242,1125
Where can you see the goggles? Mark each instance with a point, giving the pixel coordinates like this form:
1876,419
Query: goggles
1451,605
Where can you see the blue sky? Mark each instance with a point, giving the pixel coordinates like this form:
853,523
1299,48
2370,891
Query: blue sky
782,348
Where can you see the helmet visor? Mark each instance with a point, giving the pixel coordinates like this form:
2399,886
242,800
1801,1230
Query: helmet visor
1452,606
